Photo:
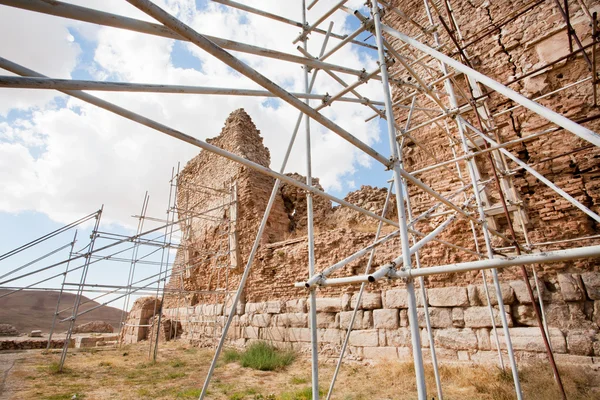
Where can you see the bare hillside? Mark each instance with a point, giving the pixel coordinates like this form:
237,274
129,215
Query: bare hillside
28,310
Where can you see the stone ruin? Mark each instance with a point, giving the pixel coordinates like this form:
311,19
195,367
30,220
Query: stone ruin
272,309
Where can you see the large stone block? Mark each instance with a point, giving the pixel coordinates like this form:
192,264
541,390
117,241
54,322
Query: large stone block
367,322
274,333
299,334
385,319
456,339
395,298
250,332
580,342
333,336
326,320
530,339
346,317
398,337
296,306
478,292
364,338
522,294
261,320
591,281
380,353
448,297
479,317
346,300
328,304
255,308
438,316
275,307
571,287
295,320
369,301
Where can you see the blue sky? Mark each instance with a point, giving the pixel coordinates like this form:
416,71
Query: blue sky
70,158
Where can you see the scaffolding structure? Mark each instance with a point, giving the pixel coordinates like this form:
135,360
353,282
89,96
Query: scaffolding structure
428,81
147,248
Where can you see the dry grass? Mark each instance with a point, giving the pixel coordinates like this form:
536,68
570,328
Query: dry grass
179,373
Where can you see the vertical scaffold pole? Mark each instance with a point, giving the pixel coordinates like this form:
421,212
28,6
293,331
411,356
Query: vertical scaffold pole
396,160
62,288
310,231
86,266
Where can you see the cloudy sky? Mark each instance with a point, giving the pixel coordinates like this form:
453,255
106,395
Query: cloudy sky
61,158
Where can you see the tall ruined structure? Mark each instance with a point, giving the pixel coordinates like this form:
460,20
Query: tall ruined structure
221,204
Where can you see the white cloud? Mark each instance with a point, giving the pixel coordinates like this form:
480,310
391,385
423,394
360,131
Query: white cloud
67,160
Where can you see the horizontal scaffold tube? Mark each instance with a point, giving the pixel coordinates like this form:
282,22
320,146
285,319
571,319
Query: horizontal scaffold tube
526,259
20,82
66,10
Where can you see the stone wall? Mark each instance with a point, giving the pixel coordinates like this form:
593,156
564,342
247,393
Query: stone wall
461,322
272,309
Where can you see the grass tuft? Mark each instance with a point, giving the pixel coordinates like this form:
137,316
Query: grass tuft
265,357
231,355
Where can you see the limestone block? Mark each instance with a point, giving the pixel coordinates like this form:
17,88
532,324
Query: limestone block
483,339
234,332
299,334
382,338
473,295
346,317
35,333
274,307
380,353
245,319
456,339
330,336
445,355
530,339
261,320
596,314
395,298
571,287
458,317
579,342
508,294
275,333
591,281
398,337
439,317
326,320
346,300
331,305
250,332
479,317
369,301
255,308
524,315
295,320
296,306
522,294
448,297
364,338
367,322
385,319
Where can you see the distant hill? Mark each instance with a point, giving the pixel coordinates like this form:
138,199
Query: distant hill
28,310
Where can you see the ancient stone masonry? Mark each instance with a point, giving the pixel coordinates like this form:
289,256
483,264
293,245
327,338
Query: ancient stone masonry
273,309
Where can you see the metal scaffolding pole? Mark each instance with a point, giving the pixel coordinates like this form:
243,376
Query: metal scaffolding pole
84,273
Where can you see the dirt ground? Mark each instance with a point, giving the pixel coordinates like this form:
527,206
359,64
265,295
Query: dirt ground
179,373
